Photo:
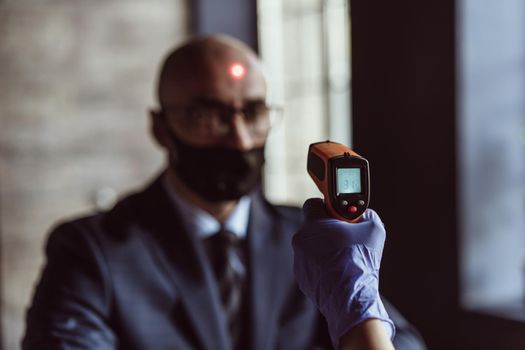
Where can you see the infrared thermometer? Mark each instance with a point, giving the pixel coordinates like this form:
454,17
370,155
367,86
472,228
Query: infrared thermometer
342,176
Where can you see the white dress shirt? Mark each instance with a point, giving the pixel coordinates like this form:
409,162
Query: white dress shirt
203,224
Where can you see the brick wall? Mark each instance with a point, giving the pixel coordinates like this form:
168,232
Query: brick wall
76,80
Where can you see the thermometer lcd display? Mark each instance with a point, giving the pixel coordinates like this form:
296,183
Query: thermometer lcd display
348,180
342,176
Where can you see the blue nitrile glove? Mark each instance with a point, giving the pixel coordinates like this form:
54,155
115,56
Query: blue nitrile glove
336,265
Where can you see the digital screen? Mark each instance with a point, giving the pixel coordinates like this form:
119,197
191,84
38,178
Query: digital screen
348,180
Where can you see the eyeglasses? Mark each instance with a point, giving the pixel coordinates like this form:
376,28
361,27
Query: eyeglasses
213,119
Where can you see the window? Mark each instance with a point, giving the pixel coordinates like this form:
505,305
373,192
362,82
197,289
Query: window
492,155
305,46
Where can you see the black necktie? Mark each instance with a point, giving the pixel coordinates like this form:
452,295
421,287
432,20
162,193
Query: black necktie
224,251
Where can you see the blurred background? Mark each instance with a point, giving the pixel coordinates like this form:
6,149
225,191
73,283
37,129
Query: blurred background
432,93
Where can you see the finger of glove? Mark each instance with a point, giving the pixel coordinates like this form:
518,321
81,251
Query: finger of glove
307,274
314,208
321,234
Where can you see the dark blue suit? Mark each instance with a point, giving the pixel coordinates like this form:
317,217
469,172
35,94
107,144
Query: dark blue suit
132,278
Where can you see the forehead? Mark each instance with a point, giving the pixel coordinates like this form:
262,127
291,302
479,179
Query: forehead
231,78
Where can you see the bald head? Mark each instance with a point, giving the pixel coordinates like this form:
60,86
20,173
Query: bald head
204,65
212,95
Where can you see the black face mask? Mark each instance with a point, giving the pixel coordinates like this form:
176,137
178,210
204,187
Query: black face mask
218,173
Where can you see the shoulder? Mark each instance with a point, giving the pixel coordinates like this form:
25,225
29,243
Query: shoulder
291,212
288,217
288,213
92,230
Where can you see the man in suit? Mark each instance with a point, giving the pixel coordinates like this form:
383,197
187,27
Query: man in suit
151,273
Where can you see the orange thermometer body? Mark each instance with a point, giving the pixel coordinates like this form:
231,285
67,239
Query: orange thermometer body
342,176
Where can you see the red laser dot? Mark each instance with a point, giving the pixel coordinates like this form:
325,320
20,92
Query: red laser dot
237,71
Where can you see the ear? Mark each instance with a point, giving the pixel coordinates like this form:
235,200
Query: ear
158,128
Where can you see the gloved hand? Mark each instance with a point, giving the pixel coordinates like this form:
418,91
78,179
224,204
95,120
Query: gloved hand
336,265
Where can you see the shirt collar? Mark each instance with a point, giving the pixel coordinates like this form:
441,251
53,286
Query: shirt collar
202,223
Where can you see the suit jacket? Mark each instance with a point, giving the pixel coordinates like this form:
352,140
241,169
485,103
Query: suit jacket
132,278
